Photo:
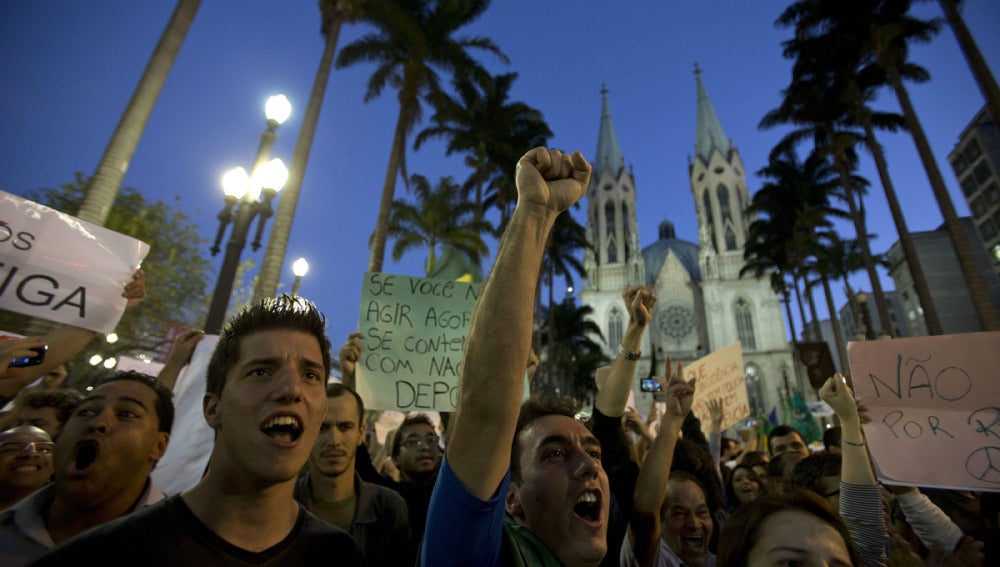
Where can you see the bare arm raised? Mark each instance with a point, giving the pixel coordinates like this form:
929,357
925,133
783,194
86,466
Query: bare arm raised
499,340
611,399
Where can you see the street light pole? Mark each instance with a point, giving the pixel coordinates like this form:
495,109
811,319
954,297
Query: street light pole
247,197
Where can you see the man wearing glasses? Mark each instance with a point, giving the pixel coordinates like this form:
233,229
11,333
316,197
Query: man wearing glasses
416,452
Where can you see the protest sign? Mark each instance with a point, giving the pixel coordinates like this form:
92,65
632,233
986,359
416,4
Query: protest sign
720,375
57,267
935,409
413,338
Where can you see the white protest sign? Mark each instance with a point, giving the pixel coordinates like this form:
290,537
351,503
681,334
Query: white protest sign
413,339
935,408
57,267
720,376
191,439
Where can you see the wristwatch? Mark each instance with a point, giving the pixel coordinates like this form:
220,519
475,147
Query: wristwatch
629,355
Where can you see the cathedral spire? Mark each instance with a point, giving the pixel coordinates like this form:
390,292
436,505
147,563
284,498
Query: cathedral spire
710,134
609,154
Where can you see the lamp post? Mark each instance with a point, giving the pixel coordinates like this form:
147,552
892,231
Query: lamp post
300,268
248,196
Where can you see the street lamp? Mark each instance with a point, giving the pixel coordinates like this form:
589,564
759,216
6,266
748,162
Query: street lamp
300,268
248,196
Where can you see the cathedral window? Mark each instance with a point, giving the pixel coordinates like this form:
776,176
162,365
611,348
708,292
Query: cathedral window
730,237
614,328
609,223
709,219
744,325
626,235
755,389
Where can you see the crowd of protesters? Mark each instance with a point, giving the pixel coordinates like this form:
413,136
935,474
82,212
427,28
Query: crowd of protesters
295,477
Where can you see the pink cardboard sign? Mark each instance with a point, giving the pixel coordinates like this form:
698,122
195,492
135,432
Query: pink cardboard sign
720,376
935,408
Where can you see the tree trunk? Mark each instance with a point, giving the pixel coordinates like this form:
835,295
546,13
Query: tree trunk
885,320
838,333
807,333
905,238
988,319
381,233
817,333
103,186
980,70
274,255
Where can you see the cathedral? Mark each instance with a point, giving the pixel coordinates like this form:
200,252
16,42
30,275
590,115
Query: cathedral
702,302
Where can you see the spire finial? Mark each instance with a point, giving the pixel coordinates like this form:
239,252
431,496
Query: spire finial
604,89
697,69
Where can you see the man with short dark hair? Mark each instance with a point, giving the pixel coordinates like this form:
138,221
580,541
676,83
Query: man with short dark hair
46,409
556,511
265,399
25,462
331,489
102,461
785,438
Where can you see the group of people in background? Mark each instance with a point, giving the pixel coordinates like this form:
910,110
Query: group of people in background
294,477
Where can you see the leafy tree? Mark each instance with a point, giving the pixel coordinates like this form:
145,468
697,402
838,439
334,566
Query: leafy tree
414,40
573,354
438,217
176,272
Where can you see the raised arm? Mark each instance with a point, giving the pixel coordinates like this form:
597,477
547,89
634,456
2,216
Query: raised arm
179,357
654,474
348,357
499,339
611,399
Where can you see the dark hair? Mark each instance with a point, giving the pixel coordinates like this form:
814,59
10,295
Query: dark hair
831,437
781,431
164,397
536,407
284,312
337,390
64,400
696,458
755,458
743,528
731,491
808,472
409,421
779,466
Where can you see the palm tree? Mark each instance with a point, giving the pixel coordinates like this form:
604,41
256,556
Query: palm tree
573,352
882,32
483,123
107,179
413,41
439,217
333,15
825,70
980,70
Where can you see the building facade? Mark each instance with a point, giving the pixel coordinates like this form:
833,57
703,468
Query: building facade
702,302
976,163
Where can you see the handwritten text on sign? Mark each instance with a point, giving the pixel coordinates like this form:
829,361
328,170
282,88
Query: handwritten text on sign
413,339
720,376
935,408
57,267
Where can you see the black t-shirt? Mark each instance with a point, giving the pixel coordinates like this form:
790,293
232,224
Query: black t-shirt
168,533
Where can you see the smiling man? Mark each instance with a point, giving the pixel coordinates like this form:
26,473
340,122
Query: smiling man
25,462
265,398
102,461
518,485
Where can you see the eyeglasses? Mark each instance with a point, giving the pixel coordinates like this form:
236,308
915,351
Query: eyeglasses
427,441
15,448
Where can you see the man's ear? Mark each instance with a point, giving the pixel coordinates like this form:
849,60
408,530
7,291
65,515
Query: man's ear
162,440
210,409
512,504
361,438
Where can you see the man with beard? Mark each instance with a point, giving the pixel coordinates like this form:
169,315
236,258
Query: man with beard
102,460
519,485
265,398
374,515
